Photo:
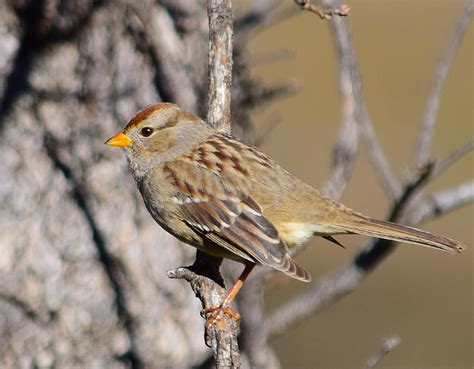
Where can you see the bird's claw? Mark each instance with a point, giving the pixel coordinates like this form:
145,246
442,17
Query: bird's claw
215,313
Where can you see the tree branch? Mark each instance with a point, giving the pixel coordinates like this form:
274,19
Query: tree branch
341,11
441,203
220,63
428,121
345,149
343,41
166,48
208,286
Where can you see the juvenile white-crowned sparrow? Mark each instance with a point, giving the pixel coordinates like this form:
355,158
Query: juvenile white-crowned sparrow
230,200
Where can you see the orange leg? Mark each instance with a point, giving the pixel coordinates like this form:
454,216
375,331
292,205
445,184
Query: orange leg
224,307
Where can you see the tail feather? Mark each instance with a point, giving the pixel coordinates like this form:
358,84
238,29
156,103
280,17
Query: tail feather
391,231
293,270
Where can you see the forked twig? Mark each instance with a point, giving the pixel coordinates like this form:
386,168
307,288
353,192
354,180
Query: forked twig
341,11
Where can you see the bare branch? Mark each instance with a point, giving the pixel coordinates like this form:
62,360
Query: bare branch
255,16
174,83
207,284
353,82
260,15
377,157
388,345
441,203
428,121
326,291
453,157
344,157
341,11
220,63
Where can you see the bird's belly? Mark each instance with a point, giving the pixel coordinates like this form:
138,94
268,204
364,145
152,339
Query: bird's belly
294,234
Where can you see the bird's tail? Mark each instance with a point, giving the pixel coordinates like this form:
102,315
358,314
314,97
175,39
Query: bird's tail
367,226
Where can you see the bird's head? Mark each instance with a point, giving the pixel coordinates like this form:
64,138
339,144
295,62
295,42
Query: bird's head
158,133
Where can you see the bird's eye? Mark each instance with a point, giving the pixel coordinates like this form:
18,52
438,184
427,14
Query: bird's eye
146,131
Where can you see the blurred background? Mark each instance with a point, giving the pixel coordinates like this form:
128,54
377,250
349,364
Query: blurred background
82,265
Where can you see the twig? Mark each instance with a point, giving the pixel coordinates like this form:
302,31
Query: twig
341,11
220,63
428,121
452,157
260,15
255,16
345,149
421,201
441,203
353,82
388,345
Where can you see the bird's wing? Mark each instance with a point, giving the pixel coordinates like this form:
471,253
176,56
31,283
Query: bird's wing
218,206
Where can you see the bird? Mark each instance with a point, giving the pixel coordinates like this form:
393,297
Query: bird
230,200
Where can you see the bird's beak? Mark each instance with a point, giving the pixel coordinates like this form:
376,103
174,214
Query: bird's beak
120,139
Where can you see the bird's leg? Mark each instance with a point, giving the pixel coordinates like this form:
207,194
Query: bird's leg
215,312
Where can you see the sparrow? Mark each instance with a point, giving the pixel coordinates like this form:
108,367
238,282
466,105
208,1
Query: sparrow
230,200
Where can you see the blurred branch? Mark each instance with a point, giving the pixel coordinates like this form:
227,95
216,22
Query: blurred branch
220,63
351,82
345,148
260,15
38,317
428,121
453,157
255,16
341,11
166,48
441,203
388,345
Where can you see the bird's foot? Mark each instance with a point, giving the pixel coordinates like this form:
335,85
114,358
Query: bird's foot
215,313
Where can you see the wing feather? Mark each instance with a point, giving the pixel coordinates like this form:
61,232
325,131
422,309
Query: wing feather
217,205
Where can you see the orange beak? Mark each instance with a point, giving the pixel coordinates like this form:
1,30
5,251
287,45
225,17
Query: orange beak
120,139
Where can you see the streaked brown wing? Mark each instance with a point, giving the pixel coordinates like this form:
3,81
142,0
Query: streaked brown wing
241,228
237,225
212,193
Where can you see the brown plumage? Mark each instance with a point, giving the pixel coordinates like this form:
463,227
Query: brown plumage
230,200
